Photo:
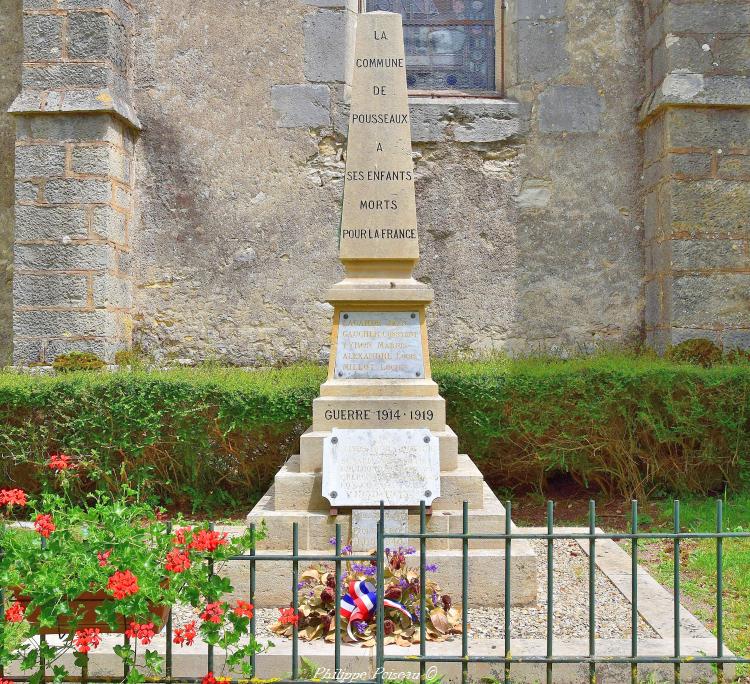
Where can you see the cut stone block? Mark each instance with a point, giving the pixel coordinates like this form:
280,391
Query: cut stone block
379,412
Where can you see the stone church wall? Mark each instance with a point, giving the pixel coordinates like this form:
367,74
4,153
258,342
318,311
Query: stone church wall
530,226
530,208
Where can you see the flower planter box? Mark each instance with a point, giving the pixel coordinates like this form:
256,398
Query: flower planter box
86,605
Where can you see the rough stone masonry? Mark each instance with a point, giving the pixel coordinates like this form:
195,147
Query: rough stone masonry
179,167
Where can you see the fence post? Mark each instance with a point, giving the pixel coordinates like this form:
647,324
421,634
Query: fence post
507,591
465,611
379,630
422,591
634,590
676,561
550,581
253,659
295,600
168,646
592,590
337,604
719,590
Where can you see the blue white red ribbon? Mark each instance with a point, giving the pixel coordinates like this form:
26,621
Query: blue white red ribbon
359,604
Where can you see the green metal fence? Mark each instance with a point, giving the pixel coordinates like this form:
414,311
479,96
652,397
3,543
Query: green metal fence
549,660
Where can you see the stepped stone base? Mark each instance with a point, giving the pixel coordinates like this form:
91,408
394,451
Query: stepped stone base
295,498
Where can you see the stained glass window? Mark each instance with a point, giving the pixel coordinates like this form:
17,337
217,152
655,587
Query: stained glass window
450,44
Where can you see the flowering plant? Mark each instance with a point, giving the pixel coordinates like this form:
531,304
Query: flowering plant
315,617
111,565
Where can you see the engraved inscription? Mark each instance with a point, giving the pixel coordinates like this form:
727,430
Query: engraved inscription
400,467
379,344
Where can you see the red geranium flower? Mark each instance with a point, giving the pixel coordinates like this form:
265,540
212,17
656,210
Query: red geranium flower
5,681
208,540
185,635
144,633
177,561
180,537
244,609
14,613
123,584
209,679
12,497
86,639
44,524
213,612
103,557
288,616
60,462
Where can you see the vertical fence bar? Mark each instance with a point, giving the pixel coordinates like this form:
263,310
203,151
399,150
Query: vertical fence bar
125,665
168,646
295,600
465,597
677,669
592,590
379,605
719,590
337,607
2,594
42,637
634,590
210,650
550,580
253,658
506,591
422,591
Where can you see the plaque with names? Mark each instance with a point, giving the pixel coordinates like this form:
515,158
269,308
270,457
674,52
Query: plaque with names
400,467
379,344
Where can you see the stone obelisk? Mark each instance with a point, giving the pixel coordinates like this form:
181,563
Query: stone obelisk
379,431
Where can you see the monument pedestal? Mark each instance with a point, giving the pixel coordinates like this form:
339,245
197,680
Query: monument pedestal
379,431
296,496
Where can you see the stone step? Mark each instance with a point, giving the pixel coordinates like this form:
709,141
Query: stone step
381,387
302,491
316,528
311,450
379,412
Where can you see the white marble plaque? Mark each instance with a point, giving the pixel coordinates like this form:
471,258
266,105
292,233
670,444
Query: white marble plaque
400,467
379,344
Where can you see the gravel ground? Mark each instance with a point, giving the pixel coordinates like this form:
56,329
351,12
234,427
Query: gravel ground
530,622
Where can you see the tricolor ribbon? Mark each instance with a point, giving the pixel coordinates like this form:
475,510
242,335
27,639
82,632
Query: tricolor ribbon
359,604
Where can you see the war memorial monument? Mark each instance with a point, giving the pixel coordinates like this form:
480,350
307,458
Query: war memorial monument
379,429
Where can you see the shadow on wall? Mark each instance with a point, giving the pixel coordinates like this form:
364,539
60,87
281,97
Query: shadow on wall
11,54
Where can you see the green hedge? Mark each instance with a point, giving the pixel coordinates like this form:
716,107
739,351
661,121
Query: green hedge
215,437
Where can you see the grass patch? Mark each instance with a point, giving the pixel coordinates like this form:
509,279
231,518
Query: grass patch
698,565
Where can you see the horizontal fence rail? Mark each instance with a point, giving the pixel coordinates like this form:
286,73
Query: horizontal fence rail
549,660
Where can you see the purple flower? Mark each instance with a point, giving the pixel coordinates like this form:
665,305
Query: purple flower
410,550
301,584
347,549
403,583
434,598
360,626
417,614
332,541
364,568
431,568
